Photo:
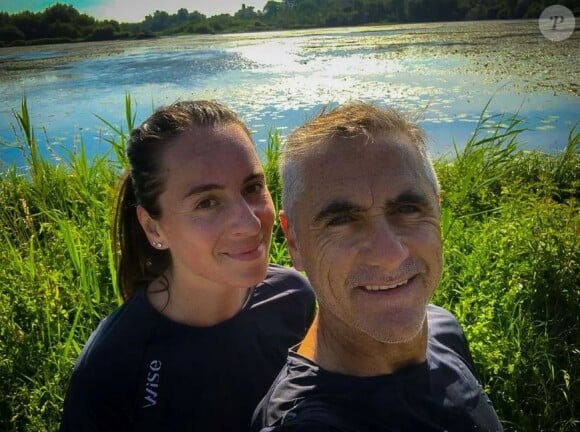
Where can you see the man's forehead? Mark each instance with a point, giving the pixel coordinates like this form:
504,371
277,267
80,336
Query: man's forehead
343,159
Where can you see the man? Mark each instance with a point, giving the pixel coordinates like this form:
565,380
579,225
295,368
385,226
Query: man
361,215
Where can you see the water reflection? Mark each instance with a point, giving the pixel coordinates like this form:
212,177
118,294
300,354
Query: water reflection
442,73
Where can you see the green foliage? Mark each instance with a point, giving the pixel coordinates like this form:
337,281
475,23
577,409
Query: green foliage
512,271
10,33
278,251
60,22
56,281
510,220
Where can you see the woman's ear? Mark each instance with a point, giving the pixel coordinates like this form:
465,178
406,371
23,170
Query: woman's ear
151,228
291,241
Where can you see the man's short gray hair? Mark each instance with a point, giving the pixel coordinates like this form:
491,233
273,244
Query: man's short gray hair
346,121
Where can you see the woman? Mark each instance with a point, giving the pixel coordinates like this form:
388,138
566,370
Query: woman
206,321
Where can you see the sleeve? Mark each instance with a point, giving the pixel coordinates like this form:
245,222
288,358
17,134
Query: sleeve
89,408
302,427
448,331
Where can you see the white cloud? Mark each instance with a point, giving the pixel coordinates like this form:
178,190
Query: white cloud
126,11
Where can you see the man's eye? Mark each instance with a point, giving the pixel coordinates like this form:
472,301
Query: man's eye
340,220
206,203
407,209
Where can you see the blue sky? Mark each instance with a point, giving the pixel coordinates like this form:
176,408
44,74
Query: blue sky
132,10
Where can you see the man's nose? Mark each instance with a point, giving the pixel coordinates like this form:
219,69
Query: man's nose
386,248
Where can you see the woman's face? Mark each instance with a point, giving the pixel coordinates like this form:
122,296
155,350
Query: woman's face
216,212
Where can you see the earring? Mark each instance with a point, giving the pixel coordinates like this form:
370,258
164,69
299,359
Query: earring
158,245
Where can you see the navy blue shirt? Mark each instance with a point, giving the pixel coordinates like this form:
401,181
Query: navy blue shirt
441,394
140,371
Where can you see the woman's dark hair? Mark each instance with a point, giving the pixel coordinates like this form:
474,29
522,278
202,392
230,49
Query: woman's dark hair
137,261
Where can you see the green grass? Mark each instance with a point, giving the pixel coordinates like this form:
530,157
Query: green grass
511,239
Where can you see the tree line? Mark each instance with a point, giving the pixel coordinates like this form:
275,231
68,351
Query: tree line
63,23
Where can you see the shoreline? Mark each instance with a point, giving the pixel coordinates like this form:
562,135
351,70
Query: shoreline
544,65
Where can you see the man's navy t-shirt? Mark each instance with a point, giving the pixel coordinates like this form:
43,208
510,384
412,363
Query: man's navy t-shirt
441,394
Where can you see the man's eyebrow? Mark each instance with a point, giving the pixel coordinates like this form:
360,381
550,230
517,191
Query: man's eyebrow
334,208
409,197
214,186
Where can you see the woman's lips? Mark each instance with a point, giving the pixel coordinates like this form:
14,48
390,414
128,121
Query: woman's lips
247,254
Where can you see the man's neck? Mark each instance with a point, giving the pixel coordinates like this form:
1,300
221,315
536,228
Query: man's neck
343,350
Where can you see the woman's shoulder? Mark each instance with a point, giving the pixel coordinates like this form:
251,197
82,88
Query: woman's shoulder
119,339
286,277
284,289
106,372
284,281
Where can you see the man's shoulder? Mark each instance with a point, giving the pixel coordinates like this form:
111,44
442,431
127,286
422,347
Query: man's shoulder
447,341
444,326
441,316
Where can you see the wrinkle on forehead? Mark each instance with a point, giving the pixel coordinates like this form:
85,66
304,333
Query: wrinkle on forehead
354,150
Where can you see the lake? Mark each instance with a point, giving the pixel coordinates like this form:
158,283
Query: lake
443,73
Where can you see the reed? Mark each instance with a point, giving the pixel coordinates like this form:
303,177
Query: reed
510,220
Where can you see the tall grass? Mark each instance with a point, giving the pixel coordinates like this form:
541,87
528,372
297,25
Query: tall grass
511,226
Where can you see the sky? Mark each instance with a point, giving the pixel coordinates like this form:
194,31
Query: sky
132,10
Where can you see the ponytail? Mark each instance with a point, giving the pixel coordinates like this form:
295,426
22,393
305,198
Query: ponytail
136,261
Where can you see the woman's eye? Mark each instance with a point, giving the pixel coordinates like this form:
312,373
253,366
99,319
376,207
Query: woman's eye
254,188
206,203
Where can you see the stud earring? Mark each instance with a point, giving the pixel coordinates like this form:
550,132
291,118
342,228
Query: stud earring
158,245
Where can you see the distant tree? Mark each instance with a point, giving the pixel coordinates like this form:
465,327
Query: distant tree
102,32
31,24
476,12
399,11
10,33
157,22
60,13
534,10
221,22
246,13
59,29
203,28
112,24
4,18
85,20
309,12
196,16
182,15
272,8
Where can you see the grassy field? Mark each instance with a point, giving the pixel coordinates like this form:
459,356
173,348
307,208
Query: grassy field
511,227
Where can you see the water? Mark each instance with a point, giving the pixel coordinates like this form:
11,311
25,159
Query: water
444,73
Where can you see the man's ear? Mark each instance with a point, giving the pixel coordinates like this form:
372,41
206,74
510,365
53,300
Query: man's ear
291,241
151,228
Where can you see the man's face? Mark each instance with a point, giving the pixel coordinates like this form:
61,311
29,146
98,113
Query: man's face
366,231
